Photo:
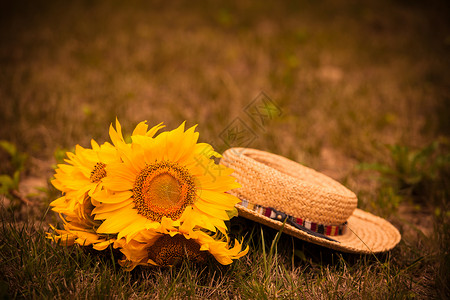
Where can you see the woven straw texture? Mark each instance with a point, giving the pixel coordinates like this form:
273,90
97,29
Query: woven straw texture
274,181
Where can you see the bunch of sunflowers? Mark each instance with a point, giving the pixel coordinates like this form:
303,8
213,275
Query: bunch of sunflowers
158,199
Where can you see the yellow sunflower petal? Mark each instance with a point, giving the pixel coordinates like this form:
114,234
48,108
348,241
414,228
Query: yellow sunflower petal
102,245
218,199
141,128
218,183
117,184
105,196
211,210
101,209
132,229
115,222
154,130
117,170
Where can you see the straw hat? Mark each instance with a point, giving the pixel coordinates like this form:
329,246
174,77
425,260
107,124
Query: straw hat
313,207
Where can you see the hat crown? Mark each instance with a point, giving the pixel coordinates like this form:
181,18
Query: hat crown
270,180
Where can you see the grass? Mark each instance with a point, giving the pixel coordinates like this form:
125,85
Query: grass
348,79
277,266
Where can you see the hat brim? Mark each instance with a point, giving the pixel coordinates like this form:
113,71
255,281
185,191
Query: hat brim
365,233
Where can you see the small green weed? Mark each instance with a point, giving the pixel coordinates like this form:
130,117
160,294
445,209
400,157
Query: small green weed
417,175
10,174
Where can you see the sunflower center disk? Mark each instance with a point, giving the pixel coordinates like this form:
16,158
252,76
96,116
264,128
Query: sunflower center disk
98,172
170,251
163,189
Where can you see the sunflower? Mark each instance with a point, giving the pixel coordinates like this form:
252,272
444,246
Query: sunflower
169,249
166,181
80,177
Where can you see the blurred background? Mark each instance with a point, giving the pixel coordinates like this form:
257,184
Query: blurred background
326,83
357,90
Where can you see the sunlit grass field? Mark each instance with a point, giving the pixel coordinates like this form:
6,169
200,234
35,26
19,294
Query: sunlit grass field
358,91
